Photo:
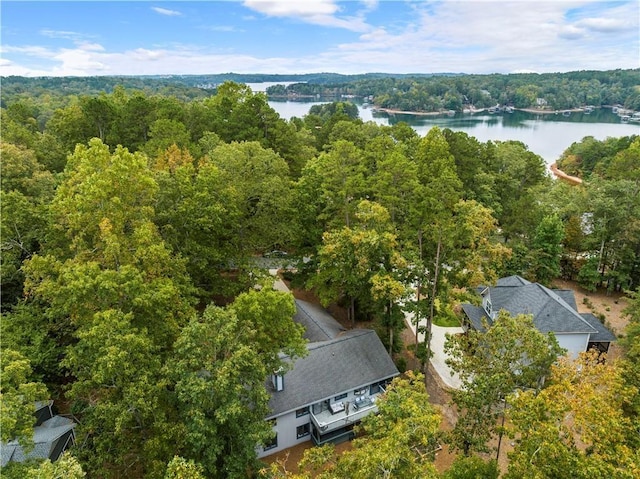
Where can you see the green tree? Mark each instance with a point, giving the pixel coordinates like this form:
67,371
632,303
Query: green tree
163,133
18,396
26,190
107,277
433,219
547,249
262,185
118,393
99,112
630,365
199,214
518,174
342,182
220,391
351,257
66,467
400,441
575,427
269,313
510,355
179,468
472,467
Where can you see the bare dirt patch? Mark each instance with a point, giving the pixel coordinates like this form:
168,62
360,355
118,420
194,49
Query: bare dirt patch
600,302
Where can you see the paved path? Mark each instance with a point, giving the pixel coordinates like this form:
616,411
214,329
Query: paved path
438,337
278,284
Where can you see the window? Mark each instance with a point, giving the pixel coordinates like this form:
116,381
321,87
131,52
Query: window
378,387
360,392
488,308
342,396
302,430
302,412
273,442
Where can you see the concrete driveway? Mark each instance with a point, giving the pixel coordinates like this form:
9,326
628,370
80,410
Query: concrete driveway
438,338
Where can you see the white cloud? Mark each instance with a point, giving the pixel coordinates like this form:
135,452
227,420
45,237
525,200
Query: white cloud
605,25
288,8
485,37
471,37
87,46
223,28
167,12
60,34
316,12
29,50
571,32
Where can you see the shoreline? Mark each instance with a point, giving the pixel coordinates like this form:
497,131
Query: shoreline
574,180
391,111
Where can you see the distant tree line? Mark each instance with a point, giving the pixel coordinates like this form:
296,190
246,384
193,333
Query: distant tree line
556,91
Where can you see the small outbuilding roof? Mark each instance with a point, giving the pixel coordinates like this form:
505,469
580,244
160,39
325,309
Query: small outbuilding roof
46,438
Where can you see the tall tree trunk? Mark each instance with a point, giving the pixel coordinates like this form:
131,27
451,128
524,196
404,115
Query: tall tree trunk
417,314
391,328
434,290
352,311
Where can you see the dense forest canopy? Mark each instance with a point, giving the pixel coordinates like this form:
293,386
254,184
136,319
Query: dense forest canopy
134,214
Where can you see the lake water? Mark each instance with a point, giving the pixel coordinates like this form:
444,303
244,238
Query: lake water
547,135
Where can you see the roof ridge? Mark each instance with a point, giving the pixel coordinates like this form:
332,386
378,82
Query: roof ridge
556,297
345,335
300,305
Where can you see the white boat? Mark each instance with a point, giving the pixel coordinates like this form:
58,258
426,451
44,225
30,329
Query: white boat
625,118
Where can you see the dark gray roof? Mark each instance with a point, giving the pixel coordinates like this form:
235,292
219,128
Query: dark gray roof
44,438
568,296
514,280
318,324
603,335
353,360
476,314
550,311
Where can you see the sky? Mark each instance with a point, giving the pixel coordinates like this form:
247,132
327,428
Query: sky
85,38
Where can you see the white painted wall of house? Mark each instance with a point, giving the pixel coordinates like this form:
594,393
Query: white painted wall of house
286,427
574,343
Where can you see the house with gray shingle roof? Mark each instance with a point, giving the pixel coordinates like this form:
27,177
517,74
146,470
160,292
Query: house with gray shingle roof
323,395
552,310
52,435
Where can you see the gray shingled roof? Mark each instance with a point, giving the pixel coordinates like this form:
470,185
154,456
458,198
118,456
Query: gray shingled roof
353,360
550,312
603,335
476,314
514,280
44,438
318,324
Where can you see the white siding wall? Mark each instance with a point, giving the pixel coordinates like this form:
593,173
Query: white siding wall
286,427
574,343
